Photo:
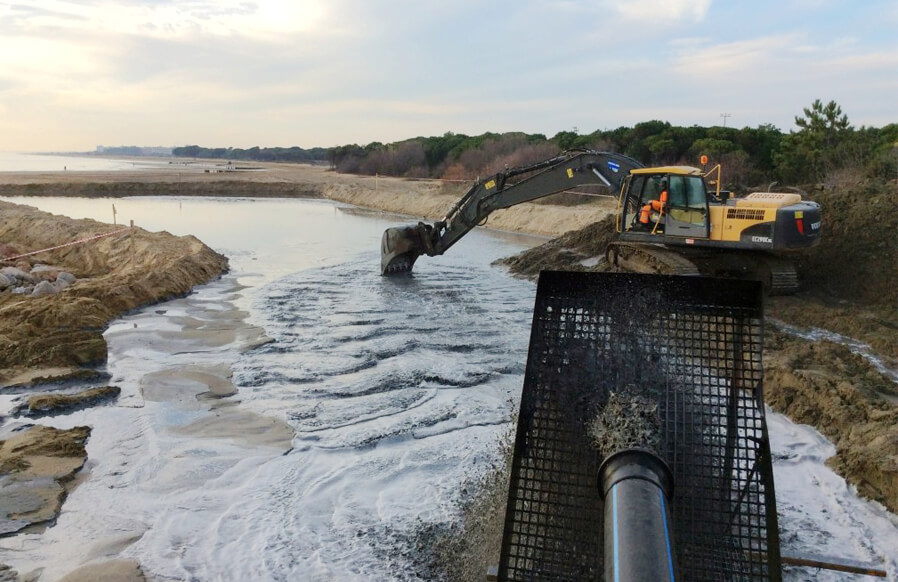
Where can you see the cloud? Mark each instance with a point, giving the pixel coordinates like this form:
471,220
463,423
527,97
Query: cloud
661,10
732,58
167,19
321,72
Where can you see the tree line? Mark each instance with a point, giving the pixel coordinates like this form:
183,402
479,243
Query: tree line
256,154
824,145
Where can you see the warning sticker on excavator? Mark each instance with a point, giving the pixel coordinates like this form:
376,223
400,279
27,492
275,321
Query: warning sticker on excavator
570,173
799,214
490,185
613,166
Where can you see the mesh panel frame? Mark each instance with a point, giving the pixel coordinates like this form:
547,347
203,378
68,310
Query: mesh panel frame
691,344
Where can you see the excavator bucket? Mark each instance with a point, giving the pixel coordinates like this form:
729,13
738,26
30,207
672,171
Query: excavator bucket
400,247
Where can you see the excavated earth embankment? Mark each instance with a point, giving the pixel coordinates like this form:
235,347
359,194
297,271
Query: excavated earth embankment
115,274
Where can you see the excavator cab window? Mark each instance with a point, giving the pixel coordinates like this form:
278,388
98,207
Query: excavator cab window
633,201
688,206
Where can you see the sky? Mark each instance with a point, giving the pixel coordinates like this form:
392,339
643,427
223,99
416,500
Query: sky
75,74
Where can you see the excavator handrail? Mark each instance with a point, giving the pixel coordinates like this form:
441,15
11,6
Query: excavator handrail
716,169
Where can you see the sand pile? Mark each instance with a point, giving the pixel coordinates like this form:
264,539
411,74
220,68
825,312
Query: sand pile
52,335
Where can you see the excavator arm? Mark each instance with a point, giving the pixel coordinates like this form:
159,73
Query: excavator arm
401,246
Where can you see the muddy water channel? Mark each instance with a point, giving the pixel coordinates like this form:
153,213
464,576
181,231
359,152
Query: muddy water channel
303,417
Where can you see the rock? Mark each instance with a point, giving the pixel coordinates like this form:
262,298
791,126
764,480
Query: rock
36,467
45,272
67,277
17,273
6,281
48,404
44,288
23,290
61,284
43,275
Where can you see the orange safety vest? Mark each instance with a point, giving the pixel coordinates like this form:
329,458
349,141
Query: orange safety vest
656,205
644,214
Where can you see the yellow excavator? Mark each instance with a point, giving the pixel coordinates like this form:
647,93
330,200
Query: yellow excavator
668,219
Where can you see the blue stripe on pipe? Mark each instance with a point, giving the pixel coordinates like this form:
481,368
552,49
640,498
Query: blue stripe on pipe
614,513
666,535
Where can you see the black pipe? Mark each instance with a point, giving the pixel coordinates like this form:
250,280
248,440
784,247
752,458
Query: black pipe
637,486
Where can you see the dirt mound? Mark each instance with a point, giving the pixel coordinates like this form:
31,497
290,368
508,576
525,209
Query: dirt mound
115,274
849,277
578,250
827,386
857,258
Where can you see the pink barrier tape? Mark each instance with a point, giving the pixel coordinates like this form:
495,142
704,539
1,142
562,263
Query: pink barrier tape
592,195
68,244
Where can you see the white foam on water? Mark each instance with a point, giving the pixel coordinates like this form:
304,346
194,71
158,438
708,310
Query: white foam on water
820,515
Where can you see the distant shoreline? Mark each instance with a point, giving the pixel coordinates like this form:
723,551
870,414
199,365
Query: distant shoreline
419,198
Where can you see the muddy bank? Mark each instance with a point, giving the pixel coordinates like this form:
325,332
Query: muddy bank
38,405
36,467
465,551
824,385
579,250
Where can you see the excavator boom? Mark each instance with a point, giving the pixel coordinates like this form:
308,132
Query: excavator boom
401,246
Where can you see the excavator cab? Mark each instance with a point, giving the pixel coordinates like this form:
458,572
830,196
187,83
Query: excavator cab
666,201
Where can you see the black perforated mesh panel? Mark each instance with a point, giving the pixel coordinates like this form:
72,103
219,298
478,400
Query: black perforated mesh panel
691,344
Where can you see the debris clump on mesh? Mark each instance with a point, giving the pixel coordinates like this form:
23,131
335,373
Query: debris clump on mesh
630,419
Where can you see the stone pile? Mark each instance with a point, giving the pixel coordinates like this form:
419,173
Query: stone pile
38,281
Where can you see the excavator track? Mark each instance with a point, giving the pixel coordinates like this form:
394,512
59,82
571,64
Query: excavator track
782,278
648,258
777,274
